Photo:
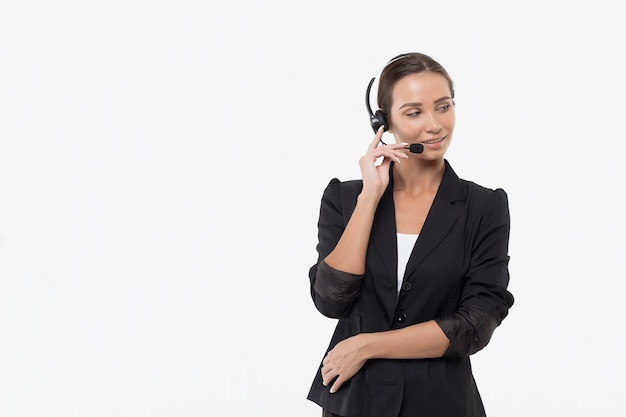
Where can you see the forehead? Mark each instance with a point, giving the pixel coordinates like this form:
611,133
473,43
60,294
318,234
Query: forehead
423,87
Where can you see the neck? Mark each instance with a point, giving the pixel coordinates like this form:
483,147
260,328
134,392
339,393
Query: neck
415,176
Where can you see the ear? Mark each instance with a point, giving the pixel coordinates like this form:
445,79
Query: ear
388,126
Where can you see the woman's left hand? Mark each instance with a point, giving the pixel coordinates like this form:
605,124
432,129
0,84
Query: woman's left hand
343,362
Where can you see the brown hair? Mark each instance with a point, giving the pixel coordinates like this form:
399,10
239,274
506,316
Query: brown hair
401,66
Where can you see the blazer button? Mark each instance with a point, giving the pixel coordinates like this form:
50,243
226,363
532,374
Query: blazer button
401,318
407,286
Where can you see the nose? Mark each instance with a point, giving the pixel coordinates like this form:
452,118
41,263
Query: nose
432,123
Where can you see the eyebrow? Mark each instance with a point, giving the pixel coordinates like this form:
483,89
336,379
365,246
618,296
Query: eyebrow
419,104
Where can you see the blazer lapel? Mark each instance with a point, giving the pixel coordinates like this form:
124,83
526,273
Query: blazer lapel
383,236
384,242
440,219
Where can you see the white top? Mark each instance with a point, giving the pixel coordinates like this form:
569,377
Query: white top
406,242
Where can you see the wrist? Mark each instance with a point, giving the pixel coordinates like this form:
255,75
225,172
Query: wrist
369,197
367,345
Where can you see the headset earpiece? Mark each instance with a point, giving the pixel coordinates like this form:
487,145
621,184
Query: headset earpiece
377,119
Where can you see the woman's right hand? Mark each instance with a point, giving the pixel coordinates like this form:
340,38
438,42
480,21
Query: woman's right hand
376,177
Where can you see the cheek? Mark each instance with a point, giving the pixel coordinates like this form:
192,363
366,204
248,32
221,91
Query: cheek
405,135
408,128
451,119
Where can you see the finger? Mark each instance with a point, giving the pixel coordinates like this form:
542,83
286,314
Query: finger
393,151
386,150
327,377
397,149
326,358
388,154
377,137
324,371
338,383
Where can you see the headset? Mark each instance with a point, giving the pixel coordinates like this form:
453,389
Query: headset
378,118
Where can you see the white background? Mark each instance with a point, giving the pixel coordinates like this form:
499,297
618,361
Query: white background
162,163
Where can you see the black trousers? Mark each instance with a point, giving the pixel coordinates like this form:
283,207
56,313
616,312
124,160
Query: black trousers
329,414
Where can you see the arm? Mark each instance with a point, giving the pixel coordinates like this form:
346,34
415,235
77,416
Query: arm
418,341
333,290
337,276
349,253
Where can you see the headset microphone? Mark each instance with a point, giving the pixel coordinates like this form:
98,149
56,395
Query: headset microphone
416,148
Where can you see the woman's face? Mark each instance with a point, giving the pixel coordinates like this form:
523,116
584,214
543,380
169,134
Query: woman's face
422,111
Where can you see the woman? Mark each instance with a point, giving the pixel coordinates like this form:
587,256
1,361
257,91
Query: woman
413,261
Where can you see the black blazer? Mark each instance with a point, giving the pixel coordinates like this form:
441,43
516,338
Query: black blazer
460,261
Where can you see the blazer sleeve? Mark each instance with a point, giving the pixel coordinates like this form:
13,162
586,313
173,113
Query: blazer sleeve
333,291
485,300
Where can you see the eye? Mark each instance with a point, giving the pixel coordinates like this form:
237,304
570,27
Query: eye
444,107
414,113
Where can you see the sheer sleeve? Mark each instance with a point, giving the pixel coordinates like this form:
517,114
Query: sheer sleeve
469,330
334,291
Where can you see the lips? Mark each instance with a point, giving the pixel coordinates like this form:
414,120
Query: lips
433,141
